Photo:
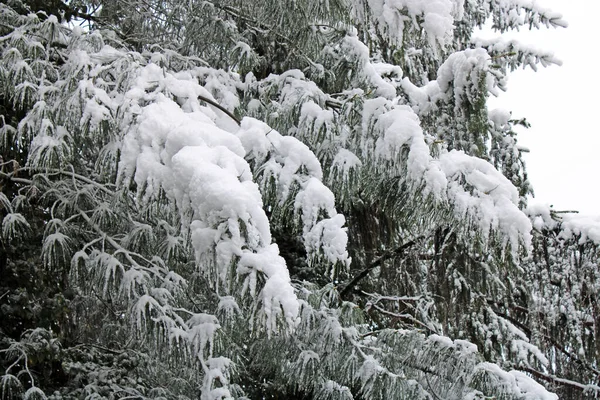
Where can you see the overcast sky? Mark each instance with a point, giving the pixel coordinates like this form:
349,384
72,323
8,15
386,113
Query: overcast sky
561,105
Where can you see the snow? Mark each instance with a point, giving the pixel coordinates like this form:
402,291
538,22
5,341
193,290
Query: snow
344,162
107,54
181,151
499,117
530,389
329,235
493,199
586,227
515,13
509,51
356,51
201,333
474,187
317,116
333,390
369,370
143,306
459,75
297,172
524,349
437,16
422,99
50,146
313,198
277,292
34,392
571,225
213,171
228,305
401,126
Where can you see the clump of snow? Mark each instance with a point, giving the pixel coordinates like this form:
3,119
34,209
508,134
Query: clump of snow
344,162
583,226
292,166
180,150
540,215
499,117
356,52
512,14
312,199
480,191
521,385
512,53
14,227
571,225
316,115
401,126
460,75
474,187
437,17
523,349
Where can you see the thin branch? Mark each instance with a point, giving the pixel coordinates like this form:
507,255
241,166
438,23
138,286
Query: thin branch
83,179
561,381
378,262
10,177
407,317
106,349
379,297
220,107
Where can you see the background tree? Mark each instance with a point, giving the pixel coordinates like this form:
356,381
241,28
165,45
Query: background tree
280,200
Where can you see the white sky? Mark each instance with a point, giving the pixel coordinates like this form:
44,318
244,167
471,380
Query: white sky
560,103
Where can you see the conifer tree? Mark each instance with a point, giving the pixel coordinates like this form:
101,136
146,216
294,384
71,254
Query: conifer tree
307,199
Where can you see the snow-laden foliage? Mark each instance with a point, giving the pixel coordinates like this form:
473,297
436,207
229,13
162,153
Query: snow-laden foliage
275,199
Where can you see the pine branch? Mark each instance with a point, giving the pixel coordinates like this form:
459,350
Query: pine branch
128,254
49,172
551,340
261,28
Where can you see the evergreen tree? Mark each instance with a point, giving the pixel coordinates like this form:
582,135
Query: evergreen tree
307,199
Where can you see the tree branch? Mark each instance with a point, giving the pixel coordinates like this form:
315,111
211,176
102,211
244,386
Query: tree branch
561,381
386,256
551,340
220,107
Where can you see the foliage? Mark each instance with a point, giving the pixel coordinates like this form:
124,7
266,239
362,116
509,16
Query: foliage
233,199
